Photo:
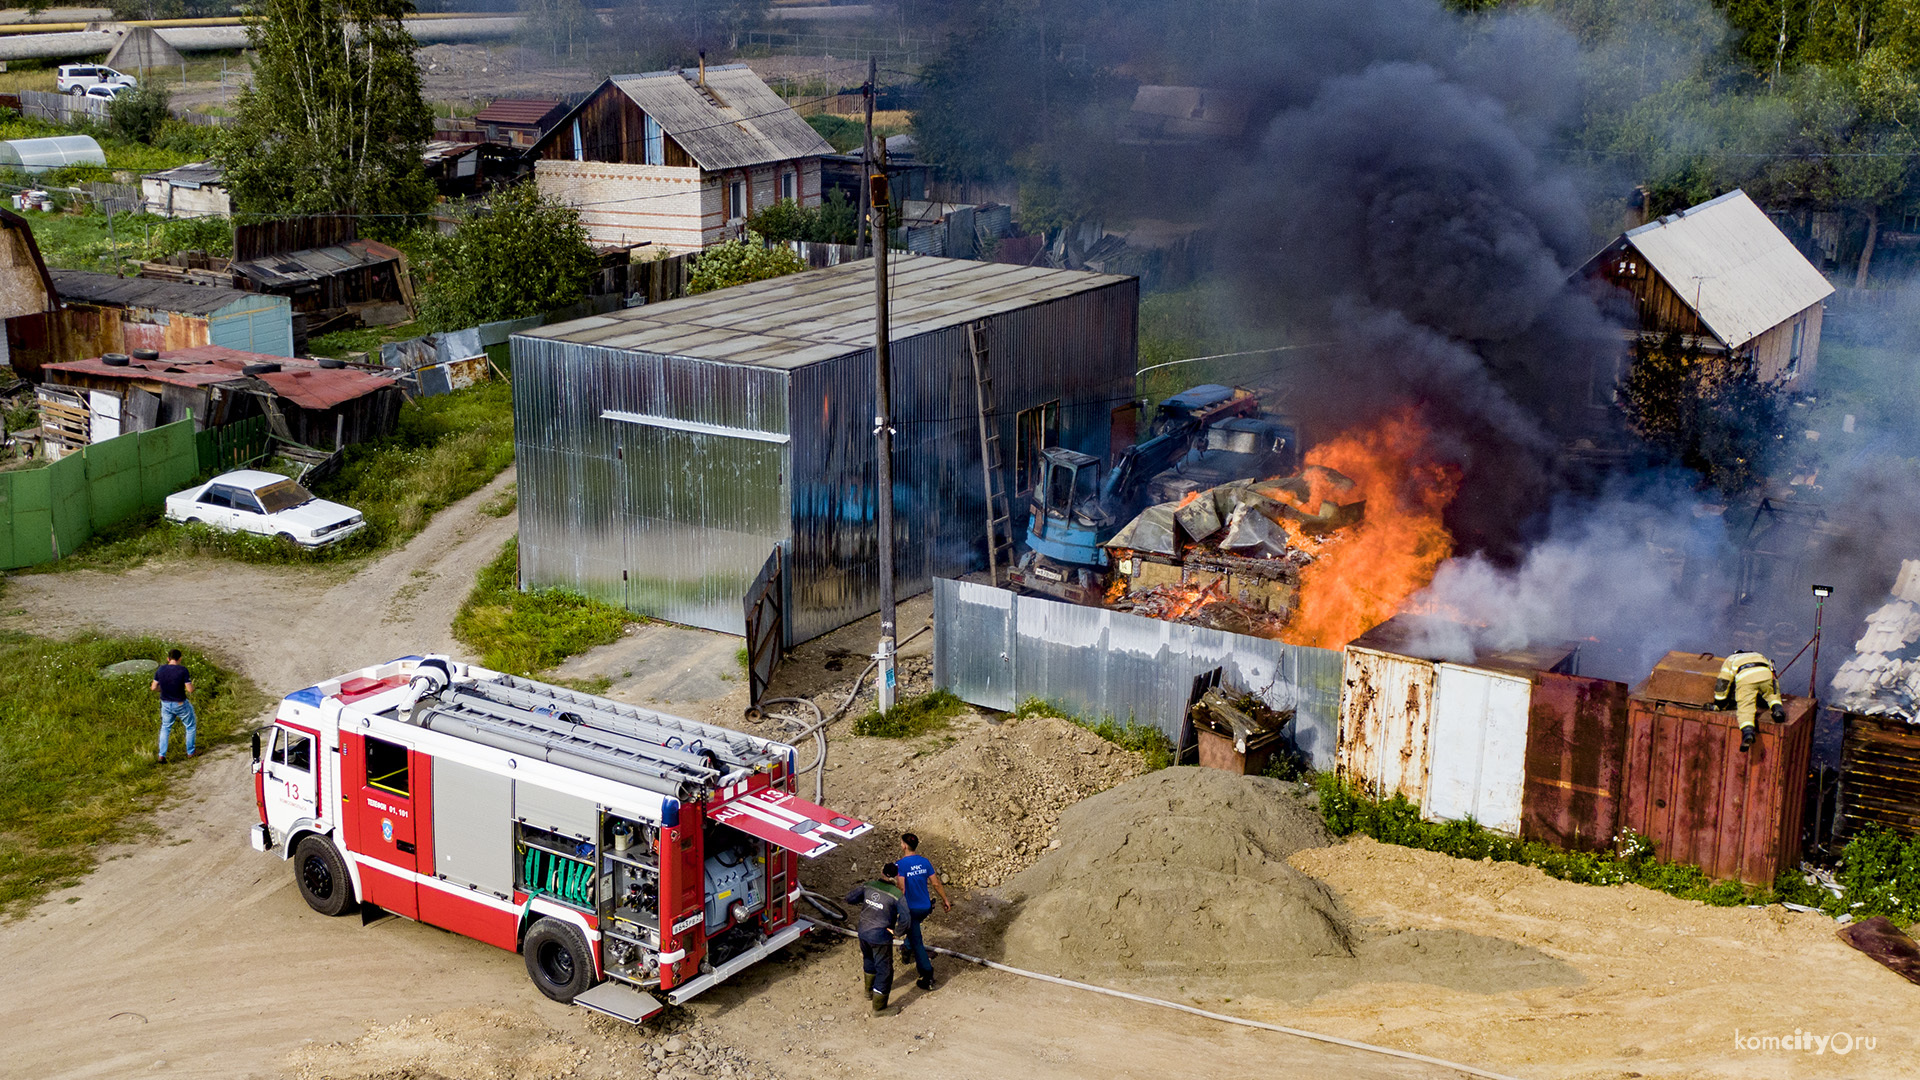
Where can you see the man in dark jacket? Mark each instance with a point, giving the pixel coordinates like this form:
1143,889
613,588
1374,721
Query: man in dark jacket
883,912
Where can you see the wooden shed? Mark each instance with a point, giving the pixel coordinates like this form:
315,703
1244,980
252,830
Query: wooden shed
1722,276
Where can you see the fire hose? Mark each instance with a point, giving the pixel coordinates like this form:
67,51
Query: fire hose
1352,1044
821,721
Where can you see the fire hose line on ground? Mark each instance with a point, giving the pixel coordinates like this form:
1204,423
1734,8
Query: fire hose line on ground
1223,1018
821,721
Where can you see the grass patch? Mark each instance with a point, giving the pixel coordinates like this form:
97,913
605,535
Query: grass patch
527,632
444,449
366,339
1144,739
1880,872
77,751
912,717
506,502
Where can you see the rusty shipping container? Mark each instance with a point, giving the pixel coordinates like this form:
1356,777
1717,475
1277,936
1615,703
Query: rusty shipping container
1386,708
1879,775
1692,792
1576,755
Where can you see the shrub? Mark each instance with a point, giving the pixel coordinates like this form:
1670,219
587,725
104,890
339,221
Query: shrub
140,114
737,262
914,716
526,632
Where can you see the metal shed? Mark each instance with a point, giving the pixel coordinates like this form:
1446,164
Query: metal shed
45,155
157,314
666,451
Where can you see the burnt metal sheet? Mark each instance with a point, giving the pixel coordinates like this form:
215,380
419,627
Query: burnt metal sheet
1386,716
1879,775
1477,759
1576,752
1691,791
1683,678
1095,663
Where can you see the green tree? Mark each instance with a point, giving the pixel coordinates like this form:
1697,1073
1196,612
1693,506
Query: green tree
334,120
1710,414
522,254
737,262
140,114
832,222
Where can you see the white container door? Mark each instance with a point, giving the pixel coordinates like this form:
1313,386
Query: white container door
105,408
1386,710
1477,760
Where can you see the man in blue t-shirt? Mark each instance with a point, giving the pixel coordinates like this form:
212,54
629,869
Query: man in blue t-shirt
175,682
916,875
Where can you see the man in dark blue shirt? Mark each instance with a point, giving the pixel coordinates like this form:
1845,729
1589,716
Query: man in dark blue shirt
882,912
916,875
175,682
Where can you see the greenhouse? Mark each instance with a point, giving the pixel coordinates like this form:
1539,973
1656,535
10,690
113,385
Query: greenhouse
45,155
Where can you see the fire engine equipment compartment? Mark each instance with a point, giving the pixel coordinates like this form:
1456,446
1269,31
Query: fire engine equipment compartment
624,852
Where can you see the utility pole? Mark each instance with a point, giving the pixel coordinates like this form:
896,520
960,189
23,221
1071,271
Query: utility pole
877,200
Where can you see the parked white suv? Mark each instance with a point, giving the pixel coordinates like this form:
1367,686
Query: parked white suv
76,78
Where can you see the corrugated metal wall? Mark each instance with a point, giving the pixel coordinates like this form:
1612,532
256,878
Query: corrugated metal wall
1386,713
995,649
670,523
1079,351
259,323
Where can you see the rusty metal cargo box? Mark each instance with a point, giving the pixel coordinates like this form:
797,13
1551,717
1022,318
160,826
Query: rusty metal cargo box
1576,754
1386,707
1879,775
1700,800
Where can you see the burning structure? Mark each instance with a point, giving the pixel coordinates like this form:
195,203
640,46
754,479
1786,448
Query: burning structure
1877,693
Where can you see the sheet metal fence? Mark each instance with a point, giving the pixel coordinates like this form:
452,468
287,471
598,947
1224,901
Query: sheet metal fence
47,513
995,649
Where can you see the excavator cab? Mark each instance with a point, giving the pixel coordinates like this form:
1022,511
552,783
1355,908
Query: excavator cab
1069,487
1064,532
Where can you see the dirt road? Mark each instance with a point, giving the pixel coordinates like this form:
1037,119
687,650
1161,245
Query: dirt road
191,955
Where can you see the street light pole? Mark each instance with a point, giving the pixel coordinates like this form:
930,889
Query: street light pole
1820,592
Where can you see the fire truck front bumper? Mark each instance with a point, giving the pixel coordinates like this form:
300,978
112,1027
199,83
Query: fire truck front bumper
693,988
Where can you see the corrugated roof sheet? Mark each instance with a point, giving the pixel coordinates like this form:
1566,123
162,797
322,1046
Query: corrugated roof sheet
516,112
441,149
816,315
302,382
194,175
1732,265
87,287
750,125
313,264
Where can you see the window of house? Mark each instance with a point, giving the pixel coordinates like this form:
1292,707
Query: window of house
656,142
1034,430
1799,347
387,766
736,200
789,186
579,148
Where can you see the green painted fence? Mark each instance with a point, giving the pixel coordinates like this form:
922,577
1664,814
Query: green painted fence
47,513
233,446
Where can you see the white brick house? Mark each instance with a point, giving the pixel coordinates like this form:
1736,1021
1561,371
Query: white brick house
678,159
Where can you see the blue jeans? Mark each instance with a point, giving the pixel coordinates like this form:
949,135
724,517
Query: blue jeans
921,960
181,711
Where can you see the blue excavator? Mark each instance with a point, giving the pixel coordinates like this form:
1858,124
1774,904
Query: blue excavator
1200,437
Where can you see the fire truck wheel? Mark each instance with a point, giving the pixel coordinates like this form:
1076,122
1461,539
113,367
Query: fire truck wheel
322,876
558,959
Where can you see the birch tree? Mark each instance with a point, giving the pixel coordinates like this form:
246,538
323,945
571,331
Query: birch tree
334,120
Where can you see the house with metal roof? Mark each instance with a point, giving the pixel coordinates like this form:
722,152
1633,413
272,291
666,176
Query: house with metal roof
671,453
678,159
1722,276
187,191
316,403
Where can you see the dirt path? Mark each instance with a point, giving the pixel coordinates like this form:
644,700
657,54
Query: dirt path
191,955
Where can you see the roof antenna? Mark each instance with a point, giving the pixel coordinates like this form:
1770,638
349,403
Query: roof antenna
703,68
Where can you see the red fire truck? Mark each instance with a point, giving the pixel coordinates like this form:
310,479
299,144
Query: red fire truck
628,854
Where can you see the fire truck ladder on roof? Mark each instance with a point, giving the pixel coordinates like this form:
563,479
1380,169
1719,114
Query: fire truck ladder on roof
992,467
732,747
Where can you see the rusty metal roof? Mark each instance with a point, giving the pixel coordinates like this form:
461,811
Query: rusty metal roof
298,267
1731,265
1428,637
516,112
1682,677
738,122
816,315
302,382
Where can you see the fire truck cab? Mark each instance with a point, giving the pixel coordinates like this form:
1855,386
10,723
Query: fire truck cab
628,854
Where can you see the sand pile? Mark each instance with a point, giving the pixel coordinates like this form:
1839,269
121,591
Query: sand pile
1180,871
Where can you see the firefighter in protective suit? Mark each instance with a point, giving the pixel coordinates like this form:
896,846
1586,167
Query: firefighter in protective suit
1746,680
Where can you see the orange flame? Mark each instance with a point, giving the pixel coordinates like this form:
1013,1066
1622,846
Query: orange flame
1362,575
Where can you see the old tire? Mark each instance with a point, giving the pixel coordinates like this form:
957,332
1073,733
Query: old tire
322,876
558,959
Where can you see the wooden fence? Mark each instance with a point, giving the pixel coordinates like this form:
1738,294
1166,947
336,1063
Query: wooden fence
68,109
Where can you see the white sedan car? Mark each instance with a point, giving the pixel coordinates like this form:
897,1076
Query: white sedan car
248,500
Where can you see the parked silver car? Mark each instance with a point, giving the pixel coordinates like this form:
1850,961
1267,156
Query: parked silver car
77,79
248,500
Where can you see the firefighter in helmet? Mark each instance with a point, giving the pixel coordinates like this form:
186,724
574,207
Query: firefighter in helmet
1746,680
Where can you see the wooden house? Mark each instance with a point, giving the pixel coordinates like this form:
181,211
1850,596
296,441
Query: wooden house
27,296
1723,277
678,159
